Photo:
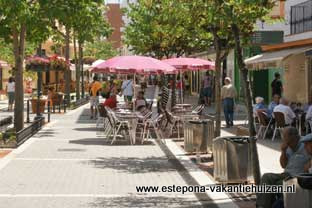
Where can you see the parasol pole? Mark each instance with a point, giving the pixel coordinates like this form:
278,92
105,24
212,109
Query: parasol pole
133,103
181,80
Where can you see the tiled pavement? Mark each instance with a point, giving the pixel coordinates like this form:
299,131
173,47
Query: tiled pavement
67,165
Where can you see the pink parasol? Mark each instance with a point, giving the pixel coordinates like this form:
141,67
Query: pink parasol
134,65
190,64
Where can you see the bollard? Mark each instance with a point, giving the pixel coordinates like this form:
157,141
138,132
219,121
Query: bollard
64,106
49,110
27,116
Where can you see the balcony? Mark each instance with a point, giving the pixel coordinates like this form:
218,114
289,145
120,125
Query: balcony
301,18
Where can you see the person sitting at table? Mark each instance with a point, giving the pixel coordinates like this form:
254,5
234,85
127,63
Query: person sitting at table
111,102
140,101
283,107
273,104
293,160
309,113
259,106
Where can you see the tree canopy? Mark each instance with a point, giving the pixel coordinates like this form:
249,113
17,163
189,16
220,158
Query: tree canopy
163,29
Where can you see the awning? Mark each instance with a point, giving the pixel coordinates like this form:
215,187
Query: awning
273,59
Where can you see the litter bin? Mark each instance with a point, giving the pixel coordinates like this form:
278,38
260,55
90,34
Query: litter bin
198,135
232,159
303,194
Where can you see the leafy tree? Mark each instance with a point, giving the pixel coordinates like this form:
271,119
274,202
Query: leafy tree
243,15
208,17
232,22
162,29
21,19
100,49
90,25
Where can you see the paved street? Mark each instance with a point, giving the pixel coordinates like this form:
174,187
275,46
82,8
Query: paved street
68,164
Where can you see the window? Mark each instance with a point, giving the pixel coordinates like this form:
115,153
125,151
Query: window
301,17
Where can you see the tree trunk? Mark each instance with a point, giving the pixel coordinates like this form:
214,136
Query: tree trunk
80,46
218,100
77,67
67,72
248,101
19,51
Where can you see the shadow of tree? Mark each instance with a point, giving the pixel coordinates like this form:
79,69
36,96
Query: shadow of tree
157,201
104,142
136,165
84,117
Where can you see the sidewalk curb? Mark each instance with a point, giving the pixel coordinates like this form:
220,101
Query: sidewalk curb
199,176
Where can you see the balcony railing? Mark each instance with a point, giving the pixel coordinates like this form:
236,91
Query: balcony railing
301,17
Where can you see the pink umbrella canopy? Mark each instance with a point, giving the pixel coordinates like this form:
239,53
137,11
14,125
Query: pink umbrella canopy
190,64
134,65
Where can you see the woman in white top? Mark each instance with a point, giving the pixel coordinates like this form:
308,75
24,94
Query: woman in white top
10,89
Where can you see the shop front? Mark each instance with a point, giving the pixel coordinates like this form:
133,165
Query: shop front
294,65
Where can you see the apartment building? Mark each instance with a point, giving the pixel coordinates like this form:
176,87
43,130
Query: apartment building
293,57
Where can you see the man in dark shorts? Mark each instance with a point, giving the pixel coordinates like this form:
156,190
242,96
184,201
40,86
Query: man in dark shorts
277,85
207,88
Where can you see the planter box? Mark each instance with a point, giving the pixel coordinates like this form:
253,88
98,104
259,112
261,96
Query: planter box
34,105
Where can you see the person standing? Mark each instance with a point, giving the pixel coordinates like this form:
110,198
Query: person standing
207,88
94,90
10,89
228,94
277,85
127,89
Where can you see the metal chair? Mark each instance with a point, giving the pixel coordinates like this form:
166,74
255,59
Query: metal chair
119,125
264,122
102,114
174,122
154,124
308,126
280,123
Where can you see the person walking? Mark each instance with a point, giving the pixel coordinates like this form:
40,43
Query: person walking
10,89
277,85
228,94
94,90
127,89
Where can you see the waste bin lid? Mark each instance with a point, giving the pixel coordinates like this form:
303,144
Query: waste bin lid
199,121
305,180
241,140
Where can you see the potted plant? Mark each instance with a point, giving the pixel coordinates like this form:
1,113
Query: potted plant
42,103
36,63
58,63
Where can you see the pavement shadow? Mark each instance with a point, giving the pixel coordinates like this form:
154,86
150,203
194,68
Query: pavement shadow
104,142
152,201
134,165
46,133
86,129
84,117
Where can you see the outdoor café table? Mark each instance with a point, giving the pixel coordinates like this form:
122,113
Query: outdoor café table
123,106
133,118
185,105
